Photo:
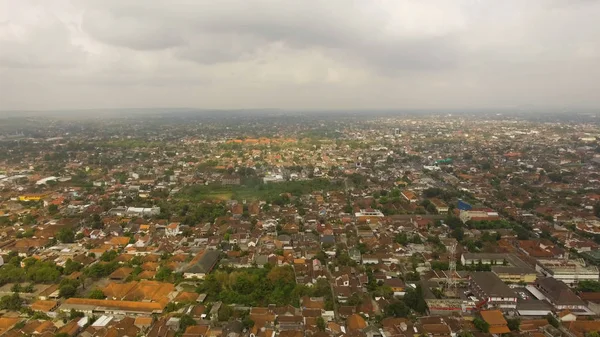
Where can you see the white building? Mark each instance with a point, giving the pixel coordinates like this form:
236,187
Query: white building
369,213
45,180
172,229
568,271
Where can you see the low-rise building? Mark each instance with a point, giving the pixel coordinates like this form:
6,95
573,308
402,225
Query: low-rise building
202,264
410,196
492,292
496,321
568,271
478,215
559,294
515,274
115,307
440,206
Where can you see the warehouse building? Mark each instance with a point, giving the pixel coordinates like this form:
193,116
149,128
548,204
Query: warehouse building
492,292
568,271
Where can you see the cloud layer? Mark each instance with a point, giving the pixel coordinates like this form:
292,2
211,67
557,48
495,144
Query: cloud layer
299,54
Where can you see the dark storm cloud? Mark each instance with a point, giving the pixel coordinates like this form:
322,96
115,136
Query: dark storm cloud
226,33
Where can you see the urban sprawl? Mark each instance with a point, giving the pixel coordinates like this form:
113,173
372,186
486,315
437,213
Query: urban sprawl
297,225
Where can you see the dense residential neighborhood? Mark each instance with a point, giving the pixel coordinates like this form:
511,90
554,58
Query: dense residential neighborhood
294,226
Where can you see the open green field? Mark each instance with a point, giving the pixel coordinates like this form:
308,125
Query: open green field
270,191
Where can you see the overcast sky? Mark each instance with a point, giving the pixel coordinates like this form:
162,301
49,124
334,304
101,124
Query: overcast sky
330,54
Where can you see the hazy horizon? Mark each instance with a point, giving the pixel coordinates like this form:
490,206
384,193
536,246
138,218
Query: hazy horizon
314,55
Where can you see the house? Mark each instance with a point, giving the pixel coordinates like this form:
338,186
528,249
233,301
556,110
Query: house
582,328
409,196
202,264
72,328
172,229
356,322
6,323
497,322
121,273
396,285
566,316
436,329
440,206
370,259
592,300
292,322
44,306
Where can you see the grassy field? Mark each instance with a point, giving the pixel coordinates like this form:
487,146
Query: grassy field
268,191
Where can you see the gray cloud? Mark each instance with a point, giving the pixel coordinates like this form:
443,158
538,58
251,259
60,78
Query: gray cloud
289,54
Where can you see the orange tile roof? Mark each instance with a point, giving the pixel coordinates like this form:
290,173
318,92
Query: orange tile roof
186,296
143,320
580,328
45,326
122,305
197,329
7,322
499,329
70,328
493,317
356,322
44,306
119,240
146,275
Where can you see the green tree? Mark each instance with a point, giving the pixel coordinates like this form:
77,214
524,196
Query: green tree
97,294
514,324
71,267
588,286
11,302
163,274
225,313
66,235
247,322
185,321
397,309
67,291
553,321
75,314
481,325
320,323
52,209
28,288
458,233
413,298
109,255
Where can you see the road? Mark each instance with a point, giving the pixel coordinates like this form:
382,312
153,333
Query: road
413,216
331,282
